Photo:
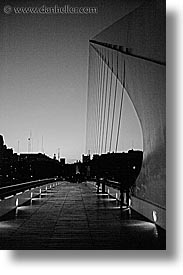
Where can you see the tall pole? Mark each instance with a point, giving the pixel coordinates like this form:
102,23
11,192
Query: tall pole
29,145
18,147
42,146
30,142
58,154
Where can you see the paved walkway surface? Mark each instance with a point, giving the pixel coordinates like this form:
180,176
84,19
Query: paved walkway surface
74,216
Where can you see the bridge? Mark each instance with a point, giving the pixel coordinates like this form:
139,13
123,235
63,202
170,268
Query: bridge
127,59
64,215
116,205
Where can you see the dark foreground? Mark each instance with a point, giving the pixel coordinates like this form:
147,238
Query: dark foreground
73,216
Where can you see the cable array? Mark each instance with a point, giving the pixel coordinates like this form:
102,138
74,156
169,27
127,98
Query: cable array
104,110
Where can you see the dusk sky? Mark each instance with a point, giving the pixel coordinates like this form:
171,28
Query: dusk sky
44,74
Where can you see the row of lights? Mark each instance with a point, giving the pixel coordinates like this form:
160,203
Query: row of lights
31,195
154,213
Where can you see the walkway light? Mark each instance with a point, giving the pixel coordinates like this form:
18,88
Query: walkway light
155,216
16,203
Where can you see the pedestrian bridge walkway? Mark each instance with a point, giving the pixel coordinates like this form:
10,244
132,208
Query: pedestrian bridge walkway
74,216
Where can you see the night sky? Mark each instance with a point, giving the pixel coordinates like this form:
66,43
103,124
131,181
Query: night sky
44,74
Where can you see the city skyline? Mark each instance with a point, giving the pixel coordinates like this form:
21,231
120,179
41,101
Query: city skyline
44,77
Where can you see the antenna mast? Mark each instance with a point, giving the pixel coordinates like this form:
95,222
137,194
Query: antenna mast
42,145
58,154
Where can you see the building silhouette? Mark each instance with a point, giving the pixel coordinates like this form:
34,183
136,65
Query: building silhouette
24,167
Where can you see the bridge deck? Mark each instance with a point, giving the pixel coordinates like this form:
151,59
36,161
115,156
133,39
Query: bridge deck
73,216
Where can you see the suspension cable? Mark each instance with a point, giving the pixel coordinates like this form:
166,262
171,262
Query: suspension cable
121,104
109,105
96,92
88,99
105,95
92,106
97,96
114,106
94,101
102,101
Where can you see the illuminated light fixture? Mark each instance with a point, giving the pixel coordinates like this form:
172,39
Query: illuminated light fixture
116,195
155,216
126,208
31,195
108,190
110,199
16,203
134,167
4,225
130,202
46,188
40,190
50,185
19,193
114,207
6,198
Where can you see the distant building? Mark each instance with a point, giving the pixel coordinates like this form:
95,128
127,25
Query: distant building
1,148
95,157
86,158
15,168
7,163
62,161
33,157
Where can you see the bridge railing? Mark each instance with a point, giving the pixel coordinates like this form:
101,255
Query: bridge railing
112,183
6,191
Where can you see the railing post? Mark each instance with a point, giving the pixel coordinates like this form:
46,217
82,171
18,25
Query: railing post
121,195
98,185
103,185
127,197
